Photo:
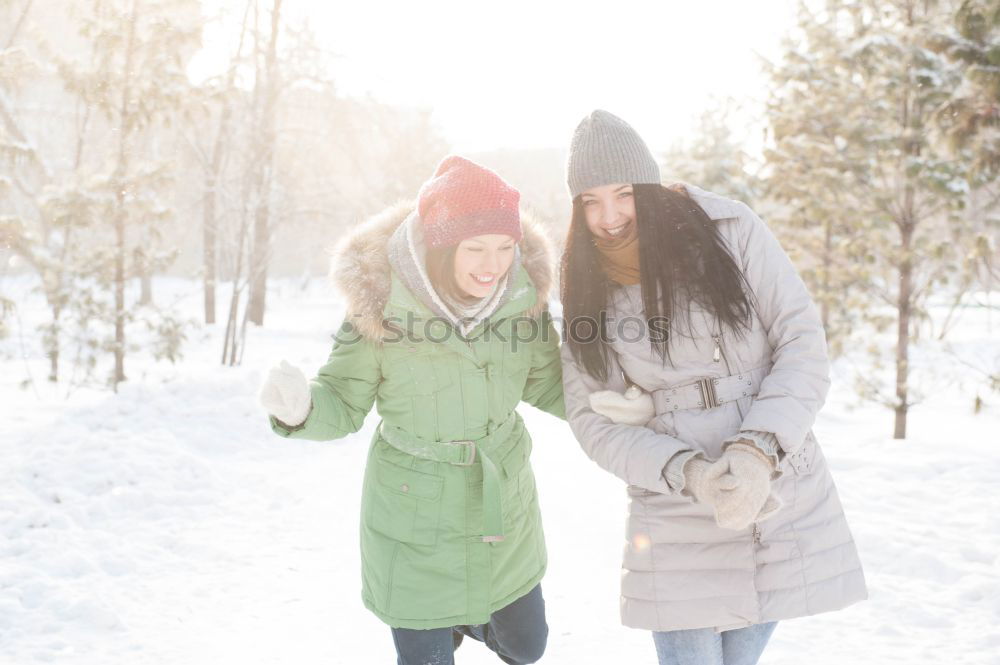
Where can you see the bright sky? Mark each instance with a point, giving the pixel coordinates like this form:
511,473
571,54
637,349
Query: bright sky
520,74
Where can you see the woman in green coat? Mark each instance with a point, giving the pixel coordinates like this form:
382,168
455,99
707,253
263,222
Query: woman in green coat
447,331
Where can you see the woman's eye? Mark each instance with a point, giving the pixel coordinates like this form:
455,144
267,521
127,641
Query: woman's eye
589,202
507,249
624,195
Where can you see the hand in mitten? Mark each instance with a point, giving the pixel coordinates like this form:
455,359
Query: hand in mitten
705,479
285,394
746,493
635,407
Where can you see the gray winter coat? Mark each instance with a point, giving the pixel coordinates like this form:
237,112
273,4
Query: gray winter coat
680,569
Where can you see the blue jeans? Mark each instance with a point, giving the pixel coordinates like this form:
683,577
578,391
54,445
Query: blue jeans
517,633
704,646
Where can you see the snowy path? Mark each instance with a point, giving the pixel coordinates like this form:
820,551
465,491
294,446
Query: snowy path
168,525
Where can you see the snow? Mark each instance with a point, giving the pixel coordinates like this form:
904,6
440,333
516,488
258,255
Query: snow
166,524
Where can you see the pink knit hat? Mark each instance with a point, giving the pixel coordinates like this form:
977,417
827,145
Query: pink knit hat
464,199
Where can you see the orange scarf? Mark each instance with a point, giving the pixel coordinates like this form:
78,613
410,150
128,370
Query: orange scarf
619,257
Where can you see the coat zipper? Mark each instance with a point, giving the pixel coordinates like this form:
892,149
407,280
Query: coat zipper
753,574
720,354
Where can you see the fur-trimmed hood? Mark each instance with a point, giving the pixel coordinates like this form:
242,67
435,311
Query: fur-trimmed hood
361,271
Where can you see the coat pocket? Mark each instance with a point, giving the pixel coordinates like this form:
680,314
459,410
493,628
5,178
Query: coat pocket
405,504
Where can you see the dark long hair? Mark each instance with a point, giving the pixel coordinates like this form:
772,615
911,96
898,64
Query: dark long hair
682,260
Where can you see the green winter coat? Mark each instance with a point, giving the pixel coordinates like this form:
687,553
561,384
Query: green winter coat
434,553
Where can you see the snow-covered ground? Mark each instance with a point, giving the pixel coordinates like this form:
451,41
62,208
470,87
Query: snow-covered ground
167,525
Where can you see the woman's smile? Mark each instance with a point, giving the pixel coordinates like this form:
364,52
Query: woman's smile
617,230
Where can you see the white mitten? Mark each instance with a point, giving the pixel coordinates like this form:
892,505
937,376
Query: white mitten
705,480
635,407
748,498
285,394
771,507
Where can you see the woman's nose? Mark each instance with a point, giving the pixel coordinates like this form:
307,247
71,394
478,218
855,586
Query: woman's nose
491,262
609,213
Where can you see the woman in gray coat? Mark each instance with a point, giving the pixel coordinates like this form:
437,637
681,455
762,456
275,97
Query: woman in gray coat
694,366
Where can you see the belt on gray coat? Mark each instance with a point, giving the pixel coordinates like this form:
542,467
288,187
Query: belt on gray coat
464,452
710,392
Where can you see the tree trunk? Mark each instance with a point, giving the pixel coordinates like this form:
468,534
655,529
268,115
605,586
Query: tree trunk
210,230
141,266
258,265
262,232
825,277
208,242
124,118
17,27
230,343
53,350
119,348
145,287
904,305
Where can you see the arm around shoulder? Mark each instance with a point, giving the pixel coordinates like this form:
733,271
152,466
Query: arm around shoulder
636,454
544,388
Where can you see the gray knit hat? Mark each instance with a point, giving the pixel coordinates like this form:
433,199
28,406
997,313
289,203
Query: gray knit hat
605,150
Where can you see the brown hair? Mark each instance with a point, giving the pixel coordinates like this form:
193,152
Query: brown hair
441,270
440,264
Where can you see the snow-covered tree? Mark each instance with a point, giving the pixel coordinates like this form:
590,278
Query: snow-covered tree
26,229
818,131
970,121
134,81
970,118
715,157
852,160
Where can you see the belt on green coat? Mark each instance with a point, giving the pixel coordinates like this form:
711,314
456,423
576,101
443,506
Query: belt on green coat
464,452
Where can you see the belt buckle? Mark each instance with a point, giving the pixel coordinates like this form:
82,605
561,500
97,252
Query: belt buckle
708,396
472,452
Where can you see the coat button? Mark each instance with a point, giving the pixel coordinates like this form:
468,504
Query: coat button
404,487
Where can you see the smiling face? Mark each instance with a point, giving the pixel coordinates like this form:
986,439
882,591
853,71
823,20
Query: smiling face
481,261
609,210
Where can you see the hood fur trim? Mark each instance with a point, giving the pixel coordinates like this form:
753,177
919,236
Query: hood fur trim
360,267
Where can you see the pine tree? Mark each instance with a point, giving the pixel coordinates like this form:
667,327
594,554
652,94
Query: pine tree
970,119
818,131
715,158
851,114
136,82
